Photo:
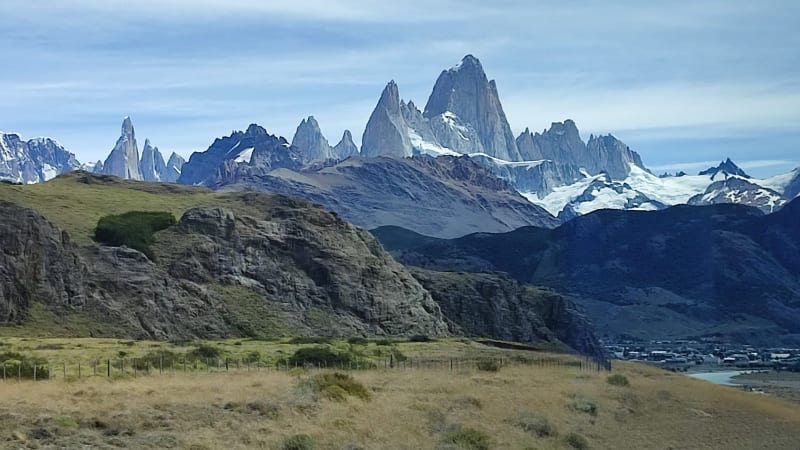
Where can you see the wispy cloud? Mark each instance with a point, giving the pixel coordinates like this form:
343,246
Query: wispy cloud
188,70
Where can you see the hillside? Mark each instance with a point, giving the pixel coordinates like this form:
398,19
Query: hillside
723,270
234,264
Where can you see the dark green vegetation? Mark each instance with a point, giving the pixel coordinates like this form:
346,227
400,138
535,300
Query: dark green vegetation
17,366
134,229
720,271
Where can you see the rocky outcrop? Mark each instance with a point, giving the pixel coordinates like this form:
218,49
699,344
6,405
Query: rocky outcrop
309,139
268,266
387,133
492,305
345,148
33,161
37,263
123,161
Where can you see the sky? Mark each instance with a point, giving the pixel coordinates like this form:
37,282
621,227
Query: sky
684,83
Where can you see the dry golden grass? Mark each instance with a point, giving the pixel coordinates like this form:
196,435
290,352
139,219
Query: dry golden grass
408,409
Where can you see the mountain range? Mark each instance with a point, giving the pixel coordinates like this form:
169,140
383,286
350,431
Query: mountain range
554,169
721,271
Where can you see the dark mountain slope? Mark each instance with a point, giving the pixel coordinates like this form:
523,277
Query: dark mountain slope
723,269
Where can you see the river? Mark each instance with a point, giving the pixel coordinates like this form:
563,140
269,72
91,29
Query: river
724,378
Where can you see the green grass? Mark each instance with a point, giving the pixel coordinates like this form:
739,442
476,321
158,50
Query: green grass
76,201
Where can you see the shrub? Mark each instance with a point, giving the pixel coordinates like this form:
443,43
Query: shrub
467,438
337,386
204,351
488,365
253,357
618,380
420,338
310,340
358,341
584,406
299,442
535,424
320,356
398,356
383,342
576,441
134,229
17,365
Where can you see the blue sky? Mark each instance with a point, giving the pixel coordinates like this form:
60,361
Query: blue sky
685,83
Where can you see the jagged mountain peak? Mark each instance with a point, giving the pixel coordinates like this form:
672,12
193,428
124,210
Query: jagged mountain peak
123,161
468,62
726,168
346,147
308,138
255,130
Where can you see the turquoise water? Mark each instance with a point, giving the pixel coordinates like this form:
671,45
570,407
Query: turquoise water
724,378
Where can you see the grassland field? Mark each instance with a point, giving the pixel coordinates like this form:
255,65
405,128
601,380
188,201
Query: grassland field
516,407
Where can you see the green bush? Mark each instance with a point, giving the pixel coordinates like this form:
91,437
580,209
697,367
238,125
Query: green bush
383,342
134,229
337,386
576,441
18,365
358,341
535,424
420,338
320,356
467,438
299,442
584,406
618,380
310,340
204,351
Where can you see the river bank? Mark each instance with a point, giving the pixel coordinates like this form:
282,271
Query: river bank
780,384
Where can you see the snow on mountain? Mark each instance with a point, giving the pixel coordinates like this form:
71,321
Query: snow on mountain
34,160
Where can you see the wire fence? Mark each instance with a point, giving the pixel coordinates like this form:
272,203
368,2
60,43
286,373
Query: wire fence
39,370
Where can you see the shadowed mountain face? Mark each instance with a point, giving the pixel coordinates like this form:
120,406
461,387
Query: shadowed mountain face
444,196
685,271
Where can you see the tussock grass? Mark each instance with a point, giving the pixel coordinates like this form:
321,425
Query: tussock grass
408,409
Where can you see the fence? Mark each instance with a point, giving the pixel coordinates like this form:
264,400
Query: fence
38,370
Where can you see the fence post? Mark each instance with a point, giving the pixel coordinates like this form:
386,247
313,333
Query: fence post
79,370
108,362
161,364
122,366
34,371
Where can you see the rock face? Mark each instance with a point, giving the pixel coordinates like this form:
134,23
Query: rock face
254,148
464,108
152,165
172,170
684,272
345,148
495,306
123,161
37,263
270,266
33,161
310,140
446,196
386,133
